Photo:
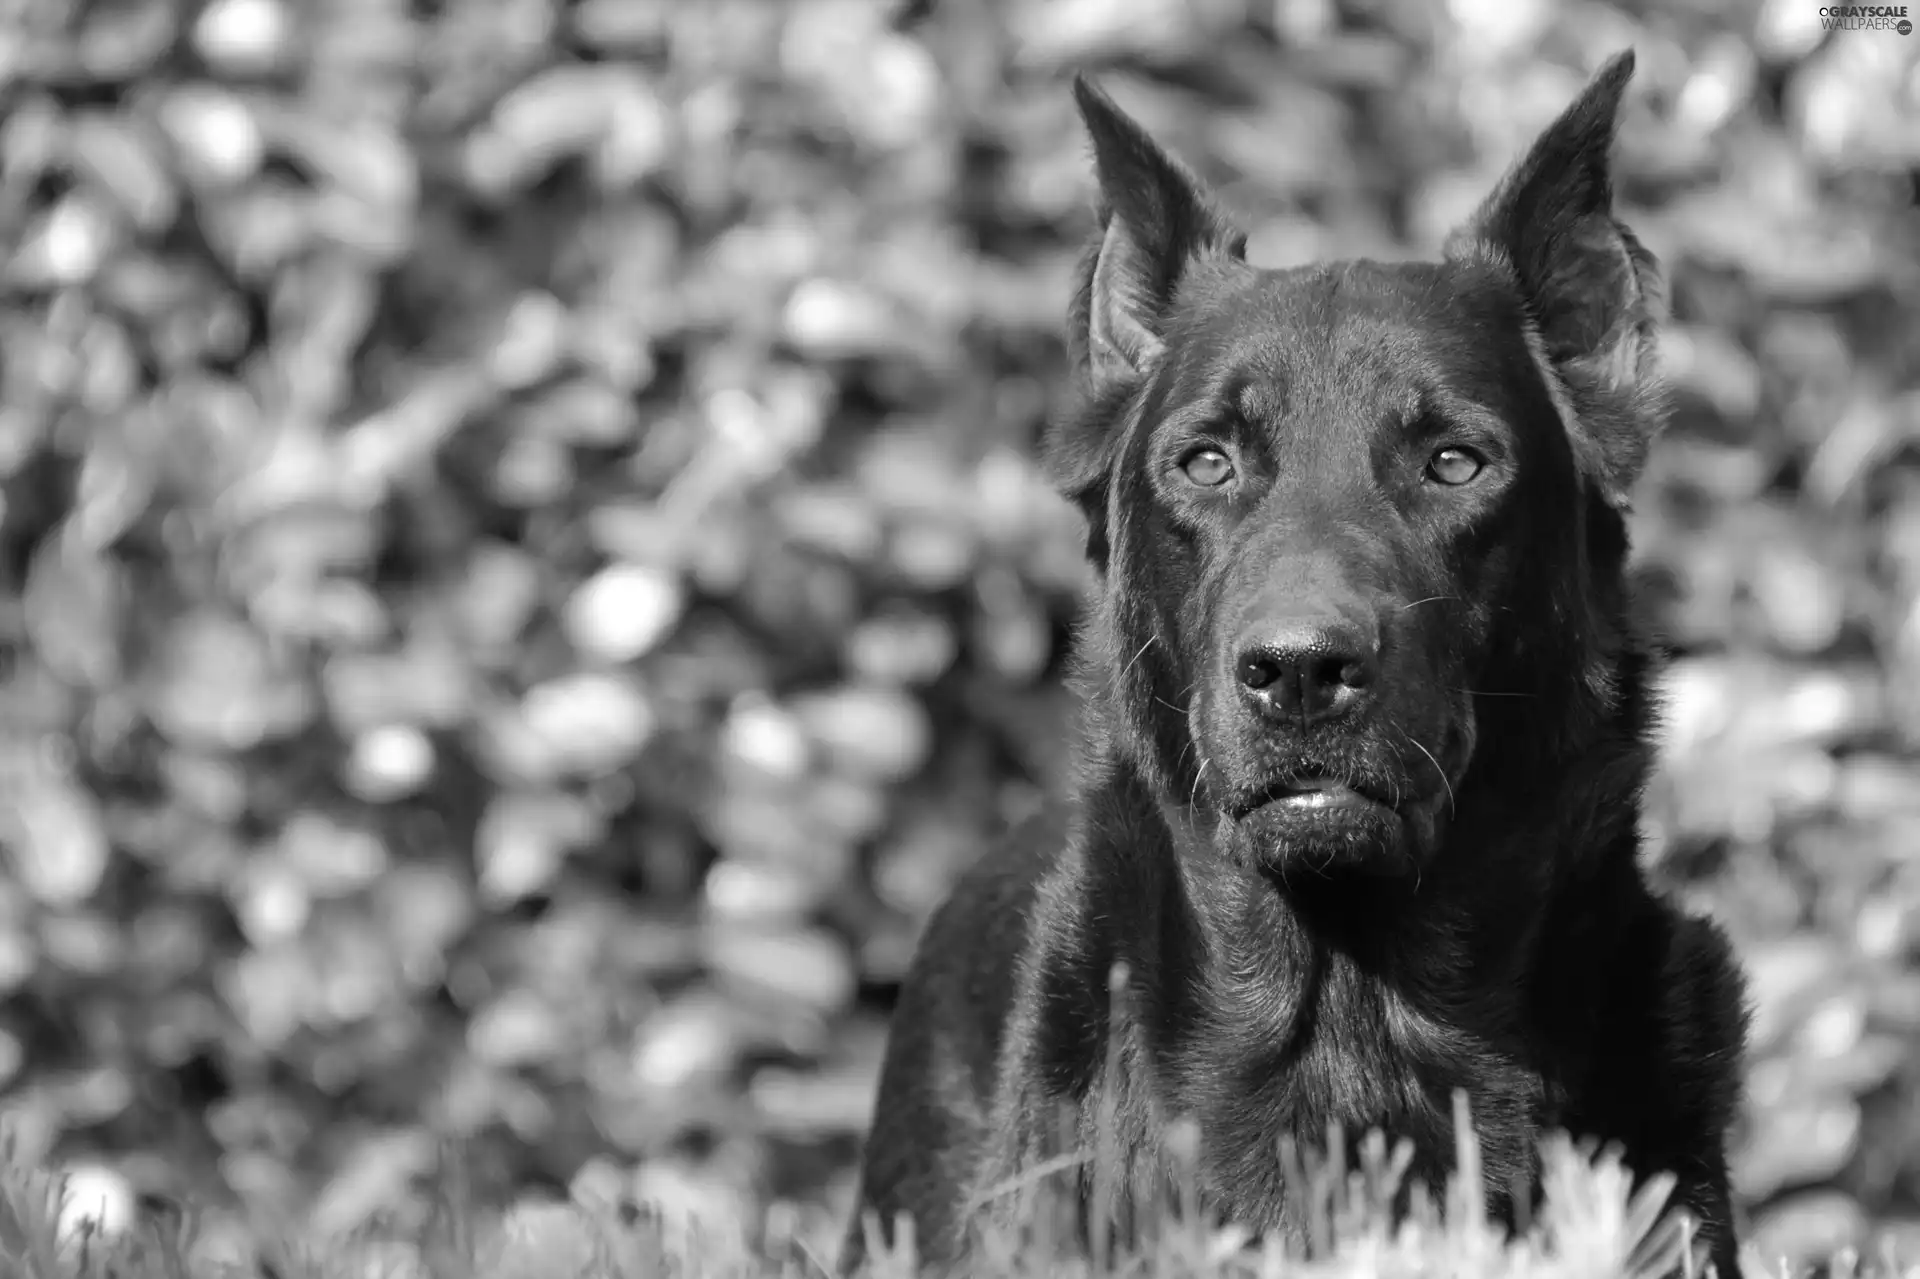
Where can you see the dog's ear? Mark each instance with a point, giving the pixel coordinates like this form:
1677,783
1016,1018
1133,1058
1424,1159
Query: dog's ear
1155,222
1591,289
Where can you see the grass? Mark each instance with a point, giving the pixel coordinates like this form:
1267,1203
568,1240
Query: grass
1593,1224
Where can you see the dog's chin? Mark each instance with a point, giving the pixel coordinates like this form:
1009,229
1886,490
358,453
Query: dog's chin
1326,827
1280,838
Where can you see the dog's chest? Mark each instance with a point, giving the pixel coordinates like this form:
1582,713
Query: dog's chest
1344,1054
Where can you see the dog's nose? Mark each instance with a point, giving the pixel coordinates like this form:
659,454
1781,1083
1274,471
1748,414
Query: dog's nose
1310,671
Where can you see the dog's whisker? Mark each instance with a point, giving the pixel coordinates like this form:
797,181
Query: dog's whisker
1478,692
1199,766
1193,799
1451,806
1431,599
1135,661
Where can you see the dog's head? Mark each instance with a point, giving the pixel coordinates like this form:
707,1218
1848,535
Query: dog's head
1347,515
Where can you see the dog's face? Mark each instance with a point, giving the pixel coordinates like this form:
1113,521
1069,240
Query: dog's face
1340,510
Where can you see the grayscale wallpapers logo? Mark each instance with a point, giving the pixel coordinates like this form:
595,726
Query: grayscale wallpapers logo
1866,17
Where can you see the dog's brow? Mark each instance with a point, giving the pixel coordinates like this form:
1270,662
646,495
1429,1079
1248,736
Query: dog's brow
1412,406
1244,395
1255,397
1461,410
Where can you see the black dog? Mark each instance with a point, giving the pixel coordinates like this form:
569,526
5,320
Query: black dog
1367,729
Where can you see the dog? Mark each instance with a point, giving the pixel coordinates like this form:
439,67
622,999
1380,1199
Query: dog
1366,727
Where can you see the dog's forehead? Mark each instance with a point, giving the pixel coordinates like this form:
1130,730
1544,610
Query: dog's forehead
1383,336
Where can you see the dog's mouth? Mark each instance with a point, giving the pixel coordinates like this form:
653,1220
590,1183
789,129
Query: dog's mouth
1309,791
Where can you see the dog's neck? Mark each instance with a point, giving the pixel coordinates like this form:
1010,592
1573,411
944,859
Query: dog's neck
1263,1009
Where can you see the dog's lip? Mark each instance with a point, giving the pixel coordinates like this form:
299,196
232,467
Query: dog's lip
1309,792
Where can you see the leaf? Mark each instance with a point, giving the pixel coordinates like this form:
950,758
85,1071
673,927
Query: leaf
694,1037
332,858
425,911
802,968
216,685
427,685
606,109
586,414
742,892
901,646
124,41
217,134
1809,1227
622,612
833,319
523,838
271,903
871,732
57,842
496,594
532,341
622,26
120,155
1804,1142
520,1028
587,722
389,763
810,1106
243,37
74,604
68,245
1788,976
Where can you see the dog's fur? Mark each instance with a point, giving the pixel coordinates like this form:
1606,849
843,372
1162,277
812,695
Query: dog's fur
1366,729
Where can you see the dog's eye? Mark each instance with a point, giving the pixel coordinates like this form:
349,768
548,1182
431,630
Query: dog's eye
1209,468
1454,466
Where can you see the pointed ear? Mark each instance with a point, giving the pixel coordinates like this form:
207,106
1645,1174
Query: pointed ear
1155,222
1591,290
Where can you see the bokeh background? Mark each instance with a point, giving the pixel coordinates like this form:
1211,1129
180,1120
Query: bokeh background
522,573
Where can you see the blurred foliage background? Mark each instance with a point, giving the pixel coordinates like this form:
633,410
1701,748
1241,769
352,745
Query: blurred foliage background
522,574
